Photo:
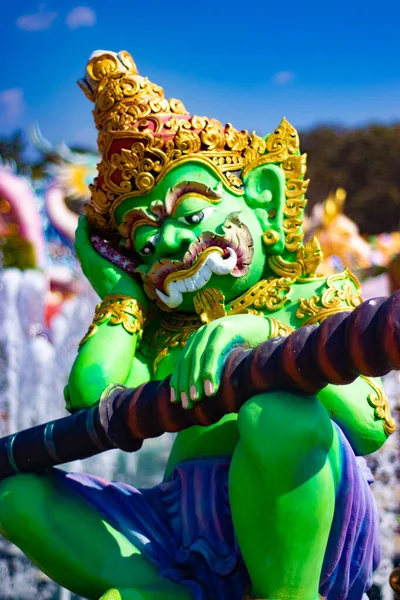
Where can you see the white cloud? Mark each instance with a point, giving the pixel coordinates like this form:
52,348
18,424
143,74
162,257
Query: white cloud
80,16
37,21
283,77
11,104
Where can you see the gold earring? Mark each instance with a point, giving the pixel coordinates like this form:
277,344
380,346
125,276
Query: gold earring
270,237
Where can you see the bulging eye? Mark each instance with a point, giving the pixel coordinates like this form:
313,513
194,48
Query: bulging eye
195,218
148,249
150,246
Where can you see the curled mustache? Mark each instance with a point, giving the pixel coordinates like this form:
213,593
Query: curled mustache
236,237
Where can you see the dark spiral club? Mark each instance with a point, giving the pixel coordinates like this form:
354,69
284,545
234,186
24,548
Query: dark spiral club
365,341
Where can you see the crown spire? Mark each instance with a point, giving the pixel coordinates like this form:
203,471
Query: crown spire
121,96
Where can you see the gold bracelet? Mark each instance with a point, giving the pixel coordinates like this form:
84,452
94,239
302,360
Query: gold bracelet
117,308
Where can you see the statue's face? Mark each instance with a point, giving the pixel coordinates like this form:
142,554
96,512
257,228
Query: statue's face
191,233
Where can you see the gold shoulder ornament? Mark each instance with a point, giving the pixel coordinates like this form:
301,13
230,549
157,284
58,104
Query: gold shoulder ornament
343,293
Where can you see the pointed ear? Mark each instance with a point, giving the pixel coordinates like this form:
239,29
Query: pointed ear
264,188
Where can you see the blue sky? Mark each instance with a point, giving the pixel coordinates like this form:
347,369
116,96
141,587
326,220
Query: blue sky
249,63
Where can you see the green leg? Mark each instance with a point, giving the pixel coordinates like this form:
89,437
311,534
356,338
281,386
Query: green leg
282,483
71,543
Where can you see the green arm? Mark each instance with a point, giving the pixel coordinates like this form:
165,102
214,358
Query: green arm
354,408
105,358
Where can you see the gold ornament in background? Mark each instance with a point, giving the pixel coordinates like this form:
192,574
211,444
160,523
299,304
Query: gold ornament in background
333,206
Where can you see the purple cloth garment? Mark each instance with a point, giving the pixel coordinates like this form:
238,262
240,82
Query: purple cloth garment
184,527
353,550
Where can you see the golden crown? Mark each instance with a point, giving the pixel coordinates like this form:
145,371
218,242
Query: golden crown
142,136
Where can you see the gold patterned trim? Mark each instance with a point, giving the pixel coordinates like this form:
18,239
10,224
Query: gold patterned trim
279,329
379,401
343,293
270,294
118,310
173,332
304,266
283,147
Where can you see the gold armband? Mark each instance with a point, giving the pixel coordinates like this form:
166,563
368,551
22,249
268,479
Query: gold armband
117,309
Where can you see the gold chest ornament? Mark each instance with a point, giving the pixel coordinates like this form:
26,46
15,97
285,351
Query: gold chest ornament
175,328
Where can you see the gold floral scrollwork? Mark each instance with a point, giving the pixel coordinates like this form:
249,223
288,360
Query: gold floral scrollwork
269,294
378,400
342,293
174,331
118,309
283,142
279,329
304,267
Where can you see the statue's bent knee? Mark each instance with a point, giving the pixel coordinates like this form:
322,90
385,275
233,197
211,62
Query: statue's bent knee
284,426
18,496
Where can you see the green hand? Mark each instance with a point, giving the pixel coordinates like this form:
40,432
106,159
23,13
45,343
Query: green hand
104,277
198,369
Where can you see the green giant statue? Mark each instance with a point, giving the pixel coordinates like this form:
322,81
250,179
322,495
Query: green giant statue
193,239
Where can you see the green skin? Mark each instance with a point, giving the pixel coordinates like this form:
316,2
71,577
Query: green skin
285,451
